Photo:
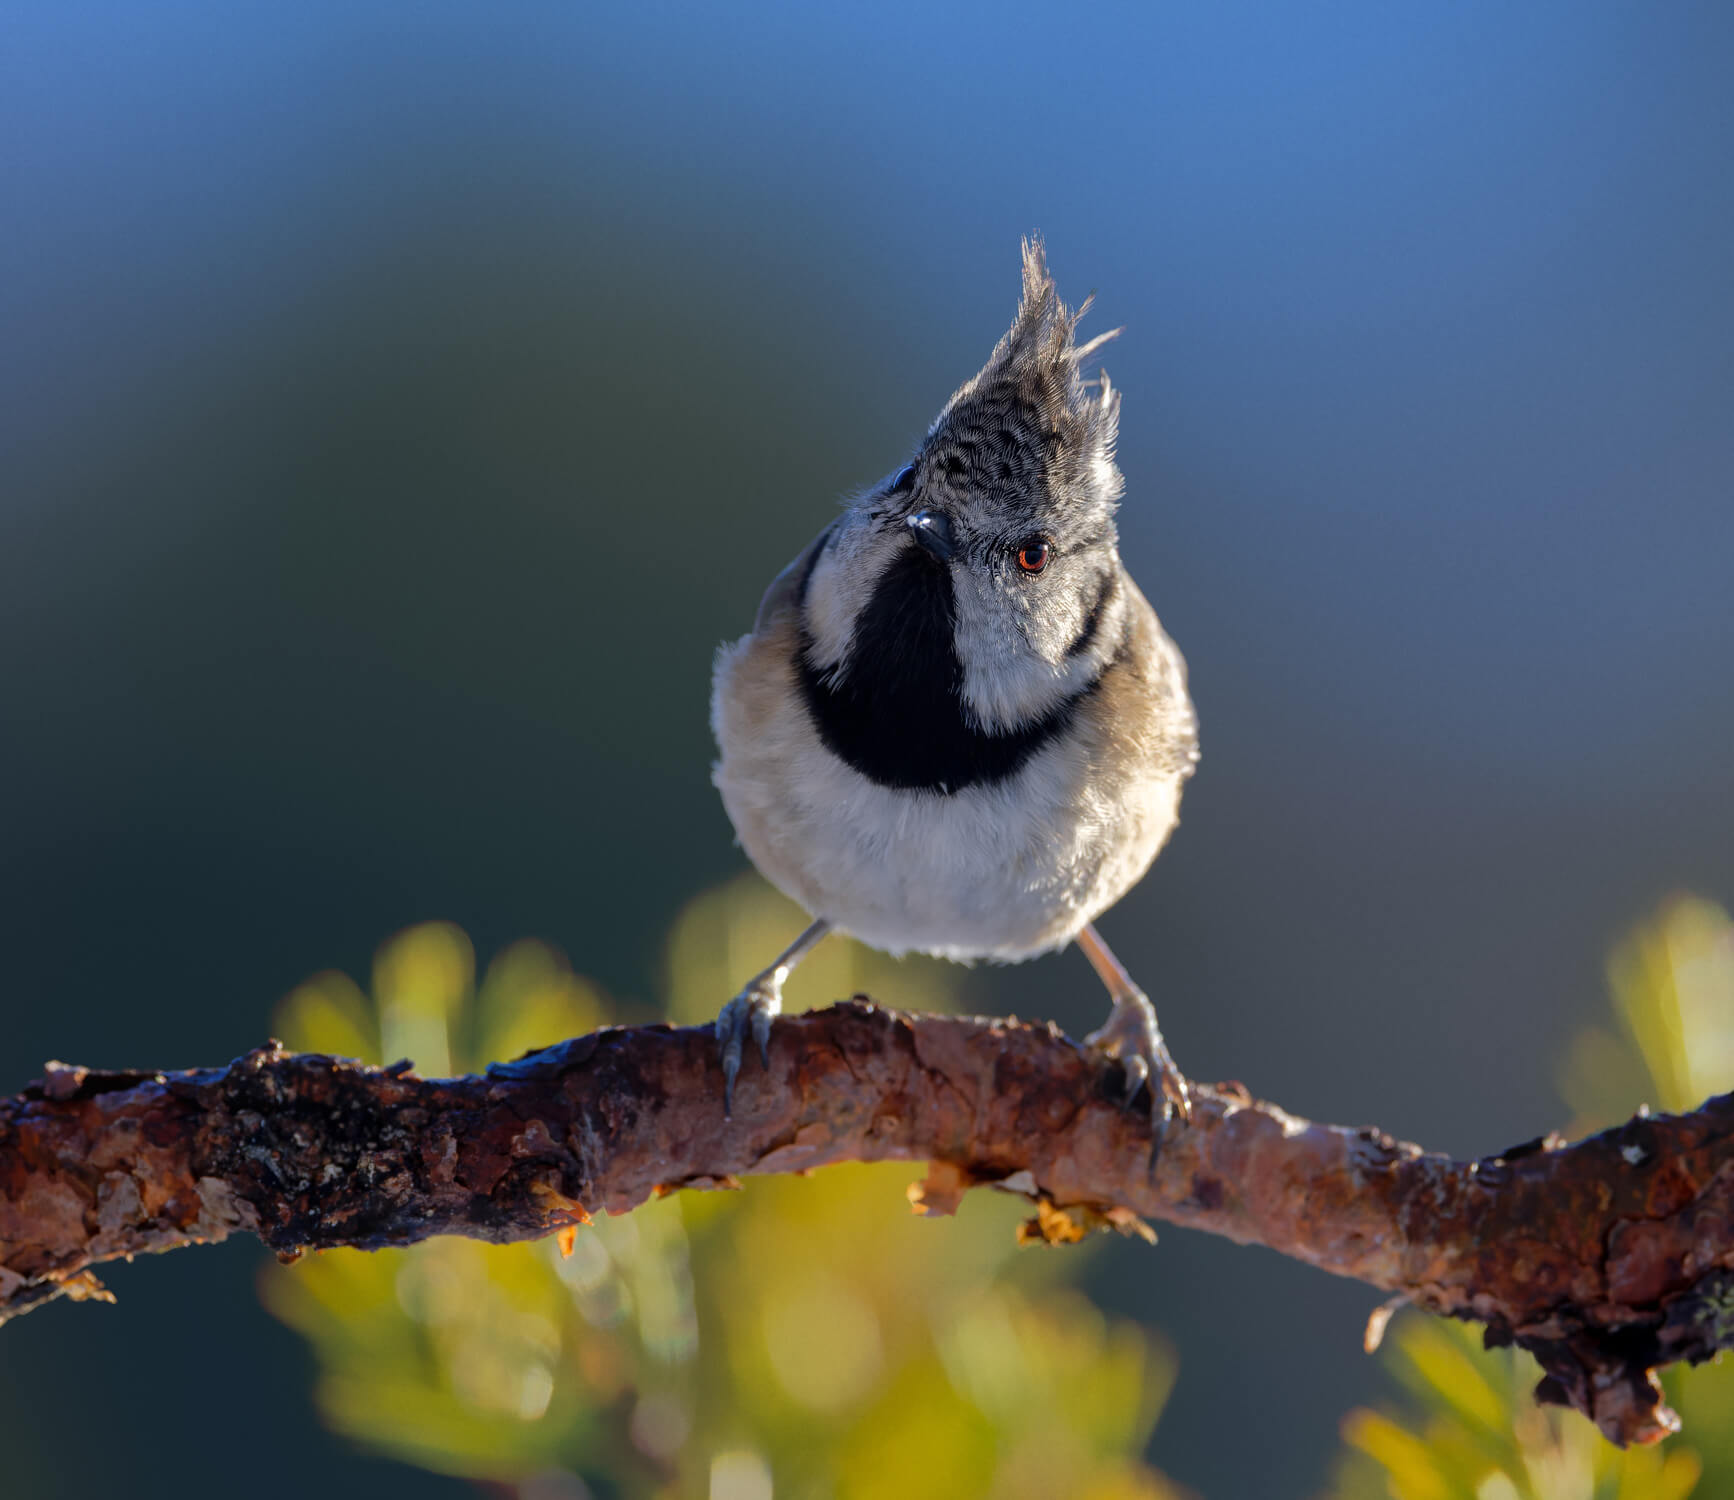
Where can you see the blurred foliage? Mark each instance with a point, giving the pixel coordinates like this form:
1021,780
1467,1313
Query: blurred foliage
1475,1433
801,1338
1472,1430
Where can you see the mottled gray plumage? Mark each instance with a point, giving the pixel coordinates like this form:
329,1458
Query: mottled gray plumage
957,726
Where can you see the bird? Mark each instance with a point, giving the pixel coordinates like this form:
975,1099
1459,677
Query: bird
957,727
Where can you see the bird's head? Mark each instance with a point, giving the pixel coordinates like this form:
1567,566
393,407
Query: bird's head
991,555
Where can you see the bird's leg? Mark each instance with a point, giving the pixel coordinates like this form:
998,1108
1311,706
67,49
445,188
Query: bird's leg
754,1007
1131,1035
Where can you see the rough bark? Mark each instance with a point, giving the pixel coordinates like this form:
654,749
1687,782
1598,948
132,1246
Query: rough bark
1607,1258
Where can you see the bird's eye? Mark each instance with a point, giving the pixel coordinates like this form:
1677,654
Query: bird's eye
903,479
1033,555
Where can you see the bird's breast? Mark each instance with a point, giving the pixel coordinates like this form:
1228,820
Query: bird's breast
893,708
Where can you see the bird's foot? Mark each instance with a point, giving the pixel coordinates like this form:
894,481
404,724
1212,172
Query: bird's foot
1132,1037
751,1010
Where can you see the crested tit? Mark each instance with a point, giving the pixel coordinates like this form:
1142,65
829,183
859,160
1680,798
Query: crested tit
957,727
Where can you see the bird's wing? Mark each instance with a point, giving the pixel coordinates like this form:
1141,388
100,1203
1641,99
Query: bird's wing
783,596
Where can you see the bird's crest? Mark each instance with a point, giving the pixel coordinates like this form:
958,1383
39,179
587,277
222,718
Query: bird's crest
1029,411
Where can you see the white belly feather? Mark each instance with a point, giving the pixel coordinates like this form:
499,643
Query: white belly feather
1003,871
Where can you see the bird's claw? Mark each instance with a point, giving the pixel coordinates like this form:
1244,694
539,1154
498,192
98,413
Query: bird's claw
750,1011
1131,1036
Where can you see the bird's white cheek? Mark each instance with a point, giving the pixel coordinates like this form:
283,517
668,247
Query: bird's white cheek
837,592
1006,680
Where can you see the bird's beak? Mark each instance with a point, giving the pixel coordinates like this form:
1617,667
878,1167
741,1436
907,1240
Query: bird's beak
932,528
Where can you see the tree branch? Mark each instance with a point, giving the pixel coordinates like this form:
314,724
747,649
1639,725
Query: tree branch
1606,1259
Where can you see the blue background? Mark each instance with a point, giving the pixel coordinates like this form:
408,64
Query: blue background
397,404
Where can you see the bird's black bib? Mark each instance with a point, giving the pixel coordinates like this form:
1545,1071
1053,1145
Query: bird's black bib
896,712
